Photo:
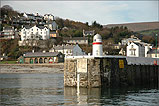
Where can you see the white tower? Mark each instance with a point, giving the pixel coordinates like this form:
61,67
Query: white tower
97,45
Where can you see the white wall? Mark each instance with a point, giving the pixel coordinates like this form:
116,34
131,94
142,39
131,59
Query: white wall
48,17
136,50
27,33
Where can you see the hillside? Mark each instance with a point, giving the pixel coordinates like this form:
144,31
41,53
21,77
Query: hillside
137,26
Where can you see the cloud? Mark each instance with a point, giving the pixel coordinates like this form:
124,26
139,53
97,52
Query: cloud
104,12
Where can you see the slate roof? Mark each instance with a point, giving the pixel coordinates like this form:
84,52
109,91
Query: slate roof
30,14
52,32
41,27
28,26
138,44
75,38
48,14
59,47
40,54
141,60
153,51
134,60
8,28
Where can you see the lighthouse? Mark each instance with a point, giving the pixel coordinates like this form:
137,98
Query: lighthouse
97,45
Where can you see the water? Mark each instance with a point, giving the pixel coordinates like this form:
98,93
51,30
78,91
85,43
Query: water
47,89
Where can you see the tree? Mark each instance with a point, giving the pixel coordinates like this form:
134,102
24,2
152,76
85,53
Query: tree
97,25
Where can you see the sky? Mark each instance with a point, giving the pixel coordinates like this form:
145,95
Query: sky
104,12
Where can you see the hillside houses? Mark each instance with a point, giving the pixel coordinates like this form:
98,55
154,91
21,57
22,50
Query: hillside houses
75,40
88,33
48,17
153,53
129,40
9,33
68,50
34,32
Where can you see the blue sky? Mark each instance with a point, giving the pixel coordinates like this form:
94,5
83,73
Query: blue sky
104,12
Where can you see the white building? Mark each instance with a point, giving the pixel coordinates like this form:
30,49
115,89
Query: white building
8,33
35,32
29,16
48,17
129,40
68,50
153,53
139,49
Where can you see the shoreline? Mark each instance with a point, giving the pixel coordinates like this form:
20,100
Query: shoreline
35,64
32,68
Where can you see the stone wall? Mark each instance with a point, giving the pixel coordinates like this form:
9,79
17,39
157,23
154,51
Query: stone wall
109,72
88,69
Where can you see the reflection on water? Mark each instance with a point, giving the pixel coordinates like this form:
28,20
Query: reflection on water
47,89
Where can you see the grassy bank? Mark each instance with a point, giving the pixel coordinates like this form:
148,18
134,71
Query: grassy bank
8,62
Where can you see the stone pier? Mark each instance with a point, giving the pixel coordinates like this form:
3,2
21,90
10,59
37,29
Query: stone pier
110,71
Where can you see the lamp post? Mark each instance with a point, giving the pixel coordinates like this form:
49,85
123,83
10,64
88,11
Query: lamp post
156,45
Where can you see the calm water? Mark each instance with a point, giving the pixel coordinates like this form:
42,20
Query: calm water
48,89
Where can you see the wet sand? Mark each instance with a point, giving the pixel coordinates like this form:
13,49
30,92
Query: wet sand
32,68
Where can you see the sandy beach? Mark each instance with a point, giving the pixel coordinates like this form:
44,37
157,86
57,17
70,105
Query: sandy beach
32,68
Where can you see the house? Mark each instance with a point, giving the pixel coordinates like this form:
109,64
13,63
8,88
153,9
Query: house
34,32
54,34
53,28
138,49
68,50
41,57
76,40
153,53
48,17
122,52
129,40
52,25
135,50
8,33
29,16
86,33
38,17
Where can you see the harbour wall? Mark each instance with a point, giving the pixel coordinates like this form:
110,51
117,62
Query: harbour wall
110,71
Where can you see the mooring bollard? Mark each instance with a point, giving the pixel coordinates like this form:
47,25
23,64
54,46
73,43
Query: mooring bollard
78,83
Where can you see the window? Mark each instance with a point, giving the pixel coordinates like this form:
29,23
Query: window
132,46
131,52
